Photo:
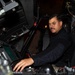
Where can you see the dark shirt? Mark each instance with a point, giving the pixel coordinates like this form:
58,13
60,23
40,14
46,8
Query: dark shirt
59,44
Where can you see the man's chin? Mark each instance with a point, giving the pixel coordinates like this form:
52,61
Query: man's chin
53,31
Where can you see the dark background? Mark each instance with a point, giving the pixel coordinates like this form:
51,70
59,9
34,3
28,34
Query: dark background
50,6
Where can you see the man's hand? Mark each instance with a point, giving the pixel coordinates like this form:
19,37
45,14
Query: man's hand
22,64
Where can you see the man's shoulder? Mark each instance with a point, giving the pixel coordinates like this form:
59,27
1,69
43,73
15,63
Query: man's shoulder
65,36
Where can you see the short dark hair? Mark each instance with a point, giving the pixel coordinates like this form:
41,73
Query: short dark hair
59,16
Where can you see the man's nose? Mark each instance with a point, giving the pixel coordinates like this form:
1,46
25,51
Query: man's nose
51,26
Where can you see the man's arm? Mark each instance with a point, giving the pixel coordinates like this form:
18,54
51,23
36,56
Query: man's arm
44,57
49,56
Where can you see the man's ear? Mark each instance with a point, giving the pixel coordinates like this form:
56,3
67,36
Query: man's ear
61,23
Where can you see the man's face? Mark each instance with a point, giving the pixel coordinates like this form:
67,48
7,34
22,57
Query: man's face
55,25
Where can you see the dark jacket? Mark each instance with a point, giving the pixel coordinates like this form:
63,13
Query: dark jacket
60,43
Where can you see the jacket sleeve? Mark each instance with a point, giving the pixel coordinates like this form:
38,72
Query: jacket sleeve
49,56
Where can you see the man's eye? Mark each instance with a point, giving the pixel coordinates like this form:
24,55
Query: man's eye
53,23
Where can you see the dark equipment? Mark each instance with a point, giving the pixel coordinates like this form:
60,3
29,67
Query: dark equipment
16,20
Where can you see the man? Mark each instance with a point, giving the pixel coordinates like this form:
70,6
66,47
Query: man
60,43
